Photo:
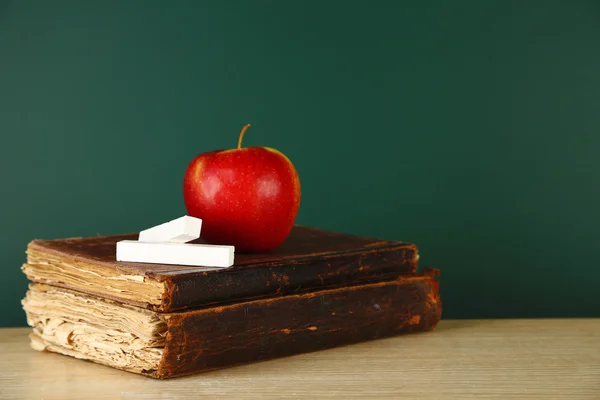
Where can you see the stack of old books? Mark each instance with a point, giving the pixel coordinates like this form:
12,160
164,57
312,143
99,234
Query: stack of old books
318,290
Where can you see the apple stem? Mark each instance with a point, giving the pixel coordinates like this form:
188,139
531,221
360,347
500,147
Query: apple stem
244,129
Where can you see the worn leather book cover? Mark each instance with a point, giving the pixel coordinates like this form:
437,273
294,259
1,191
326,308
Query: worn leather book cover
309,260
167,345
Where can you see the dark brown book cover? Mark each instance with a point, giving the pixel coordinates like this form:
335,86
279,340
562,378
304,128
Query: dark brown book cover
309,260
203,340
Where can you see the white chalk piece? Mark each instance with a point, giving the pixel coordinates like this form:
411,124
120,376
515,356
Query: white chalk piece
180,230
199,255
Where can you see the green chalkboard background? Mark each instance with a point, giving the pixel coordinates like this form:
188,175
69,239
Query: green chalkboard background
471,128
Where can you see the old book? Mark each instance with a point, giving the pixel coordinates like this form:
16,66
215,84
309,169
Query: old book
310,259
166,345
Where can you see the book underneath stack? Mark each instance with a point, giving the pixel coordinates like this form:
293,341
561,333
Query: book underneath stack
319,290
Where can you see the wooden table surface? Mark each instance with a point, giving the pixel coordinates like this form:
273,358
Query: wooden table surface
482,359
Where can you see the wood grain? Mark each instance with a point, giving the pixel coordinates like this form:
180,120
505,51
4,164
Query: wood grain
471,359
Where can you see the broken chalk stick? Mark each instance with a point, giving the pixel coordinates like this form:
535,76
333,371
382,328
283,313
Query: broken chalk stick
180,230
200,255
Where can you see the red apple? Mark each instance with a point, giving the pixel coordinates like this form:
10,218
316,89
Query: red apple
246,197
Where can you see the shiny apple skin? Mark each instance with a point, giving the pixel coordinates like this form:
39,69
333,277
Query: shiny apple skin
247,197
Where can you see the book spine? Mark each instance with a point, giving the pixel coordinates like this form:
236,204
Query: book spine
285,278
220,337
